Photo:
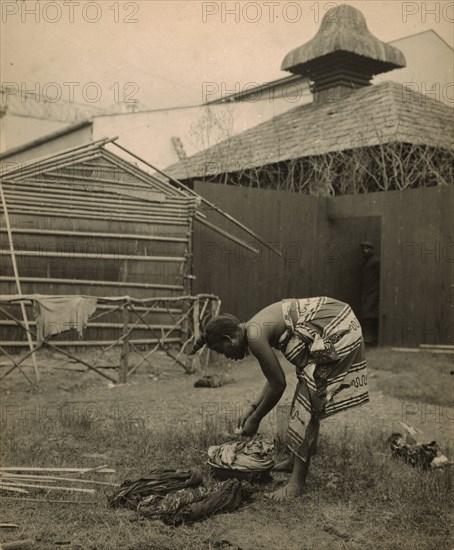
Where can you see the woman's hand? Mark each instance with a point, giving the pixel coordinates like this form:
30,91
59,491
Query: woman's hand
251,426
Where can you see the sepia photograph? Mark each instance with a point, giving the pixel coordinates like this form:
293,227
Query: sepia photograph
227,275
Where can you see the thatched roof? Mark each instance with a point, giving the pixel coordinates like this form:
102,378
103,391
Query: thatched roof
385,113
344,29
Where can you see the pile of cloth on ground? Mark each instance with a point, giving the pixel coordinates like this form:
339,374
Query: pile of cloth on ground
191,505
422,455
177,497
253,454
158,481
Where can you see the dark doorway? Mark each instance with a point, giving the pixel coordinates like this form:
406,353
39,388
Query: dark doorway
342,261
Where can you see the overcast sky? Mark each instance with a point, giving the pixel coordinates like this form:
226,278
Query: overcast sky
168,50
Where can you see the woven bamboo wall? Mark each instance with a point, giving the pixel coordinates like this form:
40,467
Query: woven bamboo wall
92,224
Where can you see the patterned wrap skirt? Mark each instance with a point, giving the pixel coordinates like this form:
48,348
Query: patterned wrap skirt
327,384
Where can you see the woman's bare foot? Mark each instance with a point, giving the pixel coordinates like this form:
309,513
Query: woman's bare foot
286,465
291,490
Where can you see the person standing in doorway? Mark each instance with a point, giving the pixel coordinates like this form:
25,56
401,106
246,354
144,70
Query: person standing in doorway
370,293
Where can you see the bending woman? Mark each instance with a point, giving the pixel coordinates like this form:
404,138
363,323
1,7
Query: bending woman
323,339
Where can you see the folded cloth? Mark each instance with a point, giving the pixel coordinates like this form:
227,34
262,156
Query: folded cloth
190,505
252,454
55,314
158,482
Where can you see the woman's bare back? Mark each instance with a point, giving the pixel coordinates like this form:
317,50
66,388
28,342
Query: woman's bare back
268,322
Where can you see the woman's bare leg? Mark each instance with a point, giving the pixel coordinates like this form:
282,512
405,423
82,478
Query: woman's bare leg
286,465
297,481
315,443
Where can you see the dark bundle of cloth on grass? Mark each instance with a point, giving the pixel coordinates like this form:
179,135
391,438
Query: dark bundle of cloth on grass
416,454
158,481
191,505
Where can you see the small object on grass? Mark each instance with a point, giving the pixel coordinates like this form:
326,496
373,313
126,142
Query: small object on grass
9,526
413,453
440,461
212,381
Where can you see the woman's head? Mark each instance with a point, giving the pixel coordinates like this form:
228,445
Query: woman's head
223,334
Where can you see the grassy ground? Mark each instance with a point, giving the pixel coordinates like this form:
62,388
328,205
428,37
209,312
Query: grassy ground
357,496
417,376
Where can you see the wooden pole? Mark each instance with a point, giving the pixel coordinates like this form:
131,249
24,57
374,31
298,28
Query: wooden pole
94,282
52,479
124,357
187,282
88,234
91,367
19,289
208,203
18,544
99,470
196,320
17,365
57,157
227,235
92,256
47,487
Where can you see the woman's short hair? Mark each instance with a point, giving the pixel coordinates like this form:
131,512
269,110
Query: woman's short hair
216,330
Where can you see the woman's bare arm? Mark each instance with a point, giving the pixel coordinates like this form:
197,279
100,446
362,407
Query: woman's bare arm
273,372
258,399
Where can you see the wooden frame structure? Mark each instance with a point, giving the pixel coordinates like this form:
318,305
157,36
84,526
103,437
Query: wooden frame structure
189,314
88,222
